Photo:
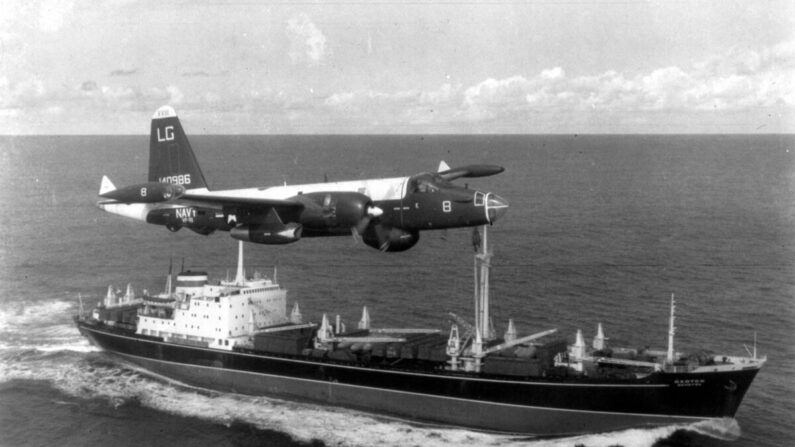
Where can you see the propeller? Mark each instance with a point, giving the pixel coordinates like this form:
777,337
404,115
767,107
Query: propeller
372,212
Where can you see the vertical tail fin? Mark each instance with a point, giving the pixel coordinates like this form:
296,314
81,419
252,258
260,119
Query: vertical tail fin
171,158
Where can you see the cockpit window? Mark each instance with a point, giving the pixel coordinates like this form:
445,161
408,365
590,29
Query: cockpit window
479,196
426,186
427,183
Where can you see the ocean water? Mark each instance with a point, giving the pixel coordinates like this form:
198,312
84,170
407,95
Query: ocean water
600,229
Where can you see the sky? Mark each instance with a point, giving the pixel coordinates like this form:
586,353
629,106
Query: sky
394,67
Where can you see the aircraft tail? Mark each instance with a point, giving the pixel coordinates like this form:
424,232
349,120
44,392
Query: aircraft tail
171,158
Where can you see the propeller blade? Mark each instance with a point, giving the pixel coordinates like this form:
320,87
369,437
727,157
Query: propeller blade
356,236
382,233
362,225
372,212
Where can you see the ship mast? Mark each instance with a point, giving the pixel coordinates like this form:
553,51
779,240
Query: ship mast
168,278
671,331
240,278
482,270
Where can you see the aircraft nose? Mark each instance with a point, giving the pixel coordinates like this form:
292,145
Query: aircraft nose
496,206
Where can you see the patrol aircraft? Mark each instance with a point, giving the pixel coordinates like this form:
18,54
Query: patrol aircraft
387,213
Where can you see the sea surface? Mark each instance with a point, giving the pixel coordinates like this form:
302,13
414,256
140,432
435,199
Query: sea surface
600,229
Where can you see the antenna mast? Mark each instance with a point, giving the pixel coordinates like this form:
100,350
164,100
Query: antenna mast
241,275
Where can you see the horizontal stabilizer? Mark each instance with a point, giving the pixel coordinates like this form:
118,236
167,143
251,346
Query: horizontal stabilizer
443,167
106,186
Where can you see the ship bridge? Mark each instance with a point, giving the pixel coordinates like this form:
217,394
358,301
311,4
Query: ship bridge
216,315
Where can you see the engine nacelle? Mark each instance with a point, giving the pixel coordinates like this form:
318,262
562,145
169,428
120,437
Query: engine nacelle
390,239
152,192
267,234
331,210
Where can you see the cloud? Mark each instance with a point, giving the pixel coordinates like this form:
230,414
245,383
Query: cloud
89,86
122,72
196,74
53,14
33,95
307,42
553,74
175,95
28,92
740,81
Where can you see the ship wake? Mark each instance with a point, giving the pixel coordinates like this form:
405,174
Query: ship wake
93,376
43,325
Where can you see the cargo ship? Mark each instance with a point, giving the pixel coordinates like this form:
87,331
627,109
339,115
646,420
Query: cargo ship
237,335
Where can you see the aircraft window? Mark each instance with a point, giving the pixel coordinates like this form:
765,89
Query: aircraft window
479,196
426,186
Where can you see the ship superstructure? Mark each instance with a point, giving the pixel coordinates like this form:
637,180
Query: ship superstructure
220,315
238,335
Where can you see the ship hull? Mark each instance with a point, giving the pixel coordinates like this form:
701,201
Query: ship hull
540,407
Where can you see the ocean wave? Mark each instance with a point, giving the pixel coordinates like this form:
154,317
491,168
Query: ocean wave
91,376
75,345
32,313
43,325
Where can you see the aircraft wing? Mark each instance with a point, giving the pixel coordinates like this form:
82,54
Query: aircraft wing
242,202
287,210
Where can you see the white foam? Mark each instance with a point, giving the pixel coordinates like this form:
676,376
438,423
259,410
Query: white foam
304,422
726,429
30,315
85,346
44,325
